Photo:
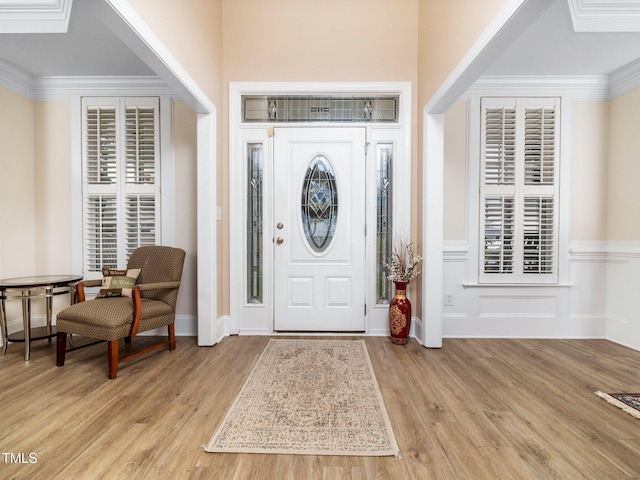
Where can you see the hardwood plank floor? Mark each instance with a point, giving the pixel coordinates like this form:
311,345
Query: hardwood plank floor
475,409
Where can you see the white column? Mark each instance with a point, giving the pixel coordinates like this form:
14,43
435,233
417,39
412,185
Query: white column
207,217
432,229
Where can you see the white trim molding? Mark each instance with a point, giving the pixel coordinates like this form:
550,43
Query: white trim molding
257,319
586,87
626,249
576,87
62,88
605,15
15,79
34,16
67,87
624,79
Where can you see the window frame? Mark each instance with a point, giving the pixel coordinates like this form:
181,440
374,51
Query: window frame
163,188
475,274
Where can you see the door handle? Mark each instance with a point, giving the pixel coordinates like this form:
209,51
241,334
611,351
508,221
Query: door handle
280,226
279,240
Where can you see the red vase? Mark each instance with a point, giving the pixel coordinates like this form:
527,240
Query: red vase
400,315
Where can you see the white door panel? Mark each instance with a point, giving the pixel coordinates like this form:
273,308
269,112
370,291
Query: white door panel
319,229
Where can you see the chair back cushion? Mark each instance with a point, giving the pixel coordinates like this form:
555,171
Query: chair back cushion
159,264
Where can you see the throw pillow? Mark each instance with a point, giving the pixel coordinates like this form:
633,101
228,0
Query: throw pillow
118,283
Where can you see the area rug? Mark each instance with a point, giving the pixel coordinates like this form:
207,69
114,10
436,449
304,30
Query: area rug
629,402
308,397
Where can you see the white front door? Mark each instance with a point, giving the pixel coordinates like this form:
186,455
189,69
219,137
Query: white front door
319,229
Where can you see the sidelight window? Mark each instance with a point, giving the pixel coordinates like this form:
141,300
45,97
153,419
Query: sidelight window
254,222
384,220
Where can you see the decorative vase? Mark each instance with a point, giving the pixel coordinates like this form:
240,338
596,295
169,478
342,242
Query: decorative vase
400,314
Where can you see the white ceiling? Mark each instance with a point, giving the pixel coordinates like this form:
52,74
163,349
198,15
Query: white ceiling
88,48
548,47
551,47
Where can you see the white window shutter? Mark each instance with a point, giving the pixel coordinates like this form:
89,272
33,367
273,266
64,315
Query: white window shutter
518,190
538,229
499,231
140,222
121,158
100,145
101,232
500,143
141,143
539,145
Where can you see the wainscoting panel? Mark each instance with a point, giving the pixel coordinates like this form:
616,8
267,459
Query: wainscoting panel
623,294
575,308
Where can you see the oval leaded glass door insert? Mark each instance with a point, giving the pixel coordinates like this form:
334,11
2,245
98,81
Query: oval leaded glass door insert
319,203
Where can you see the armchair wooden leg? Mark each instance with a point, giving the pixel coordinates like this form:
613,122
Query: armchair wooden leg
61,348
113,358
172,336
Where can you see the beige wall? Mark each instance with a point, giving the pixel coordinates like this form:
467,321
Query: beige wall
332,40
589,147
192,31
17,196
448,30
624,168
455,172
328,41
52,187
184,142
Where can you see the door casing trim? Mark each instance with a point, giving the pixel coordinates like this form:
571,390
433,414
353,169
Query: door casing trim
235,323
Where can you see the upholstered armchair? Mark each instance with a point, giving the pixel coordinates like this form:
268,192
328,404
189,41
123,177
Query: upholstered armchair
131,301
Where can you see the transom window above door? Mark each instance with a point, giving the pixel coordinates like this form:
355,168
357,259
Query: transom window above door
305,108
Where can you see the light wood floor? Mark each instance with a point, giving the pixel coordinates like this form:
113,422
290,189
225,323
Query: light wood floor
475,409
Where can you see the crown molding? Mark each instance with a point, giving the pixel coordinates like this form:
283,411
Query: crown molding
62,88
16,79
624,79
34,16
588,87
605,15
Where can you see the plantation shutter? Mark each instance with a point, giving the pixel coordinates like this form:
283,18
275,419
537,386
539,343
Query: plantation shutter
140,221
121,179
101,145
101,232
518,190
